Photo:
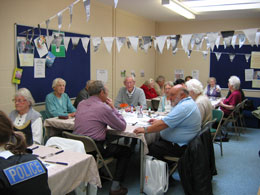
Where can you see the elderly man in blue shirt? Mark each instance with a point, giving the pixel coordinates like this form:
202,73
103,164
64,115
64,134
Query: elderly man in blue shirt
176,129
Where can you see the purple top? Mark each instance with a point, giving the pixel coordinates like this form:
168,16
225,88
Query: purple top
93,116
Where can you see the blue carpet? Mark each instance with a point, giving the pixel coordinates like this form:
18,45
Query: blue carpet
238,168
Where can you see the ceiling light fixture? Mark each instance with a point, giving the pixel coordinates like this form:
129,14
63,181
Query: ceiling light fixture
179,8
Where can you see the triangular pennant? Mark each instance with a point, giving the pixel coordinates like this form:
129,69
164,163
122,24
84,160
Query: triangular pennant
185,41
231,57
87,8
211,39
250,35
128,44
96,43
147,42
66,42
115,2
75,41
71,12
49,39
233,42
189,53
227,36
168,43
218,55
47,27
174,41
197,40
59,20
134,42
120,41
257,38
205,54
108,43
247,56
174,51
161,42
154,43
85,41
241,39
217,41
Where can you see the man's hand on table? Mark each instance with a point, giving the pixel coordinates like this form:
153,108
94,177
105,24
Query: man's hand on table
139,130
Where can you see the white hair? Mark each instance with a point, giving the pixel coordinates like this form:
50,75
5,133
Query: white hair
26,94
160,78
129,77
195,86
235,82
170,83
148,82
56,81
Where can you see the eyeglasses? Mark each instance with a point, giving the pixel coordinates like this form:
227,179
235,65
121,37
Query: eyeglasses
18,101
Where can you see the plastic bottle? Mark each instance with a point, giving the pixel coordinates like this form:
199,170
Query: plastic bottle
132,108
149,112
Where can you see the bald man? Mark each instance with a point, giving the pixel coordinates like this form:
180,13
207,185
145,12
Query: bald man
176,129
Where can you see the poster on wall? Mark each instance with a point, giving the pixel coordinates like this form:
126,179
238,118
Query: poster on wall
25,50
195,74
255,60
17,75
102,75
39,68
57,45
40,43
178,74
249,73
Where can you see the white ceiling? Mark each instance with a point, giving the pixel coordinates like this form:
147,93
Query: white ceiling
152,9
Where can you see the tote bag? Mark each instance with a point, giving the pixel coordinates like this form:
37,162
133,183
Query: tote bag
156,176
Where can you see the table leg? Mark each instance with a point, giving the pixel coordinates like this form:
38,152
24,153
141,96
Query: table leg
142,167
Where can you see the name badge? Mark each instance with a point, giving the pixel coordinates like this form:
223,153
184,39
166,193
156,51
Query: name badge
24,171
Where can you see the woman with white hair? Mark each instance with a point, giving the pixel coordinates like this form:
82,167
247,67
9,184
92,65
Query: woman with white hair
58,102
195,89
212,89
25,118
165,102
228,104
149,90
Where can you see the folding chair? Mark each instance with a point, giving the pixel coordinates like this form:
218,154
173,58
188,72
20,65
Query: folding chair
218,115
240,114
91,147
209,123
44,116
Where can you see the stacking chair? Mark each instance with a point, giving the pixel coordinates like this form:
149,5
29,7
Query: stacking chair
209,123
233,117
218,115
44,116
240,114
91,147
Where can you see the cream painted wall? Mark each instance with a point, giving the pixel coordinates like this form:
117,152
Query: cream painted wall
104,21
166,63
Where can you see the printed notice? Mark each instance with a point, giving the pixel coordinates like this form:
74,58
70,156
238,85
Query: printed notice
249,74
255,60
39,68
102,75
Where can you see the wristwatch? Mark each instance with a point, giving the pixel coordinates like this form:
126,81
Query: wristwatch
145,129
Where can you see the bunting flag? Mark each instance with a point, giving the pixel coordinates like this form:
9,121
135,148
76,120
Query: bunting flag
250,35
189,53
128,44
85,42
231,57
247,56
174,41
66,42
174,51
147,42
197,39
227,36
134,42
217,41
168,43
108,43
161,42
241,39
87,8
233,41
211,40
47,27
218,55
257,38
205,54
59,20
96,43
75,41
185,41
120,41
115,2
71,12
49,39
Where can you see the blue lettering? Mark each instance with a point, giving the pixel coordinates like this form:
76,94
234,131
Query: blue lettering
26,174
12,173
34,171
20,172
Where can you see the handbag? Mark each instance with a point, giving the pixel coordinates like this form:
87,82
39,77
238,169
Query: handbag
156,176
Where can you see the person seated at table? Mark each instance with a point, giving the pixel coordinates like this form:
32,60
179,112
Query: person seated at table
187,78
180,126
130,95
57,102
83,94
149,90
212,89
228,105
92,117
20,172
159,85
241,91
195,89
179,81
165,102
25,118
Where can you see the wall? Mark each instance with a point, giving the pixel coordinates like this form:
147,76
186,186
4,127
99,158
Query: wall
166,63
104,21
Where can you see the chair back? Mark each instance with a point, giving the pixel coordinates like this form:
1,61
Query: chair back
217,114
208,124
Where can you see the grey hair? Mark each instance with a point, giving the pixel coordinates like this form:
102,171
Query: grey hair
128,77
195,86
212,78
235,82
170,83
26,94
185,91
56,81
160,78
96,87
148,82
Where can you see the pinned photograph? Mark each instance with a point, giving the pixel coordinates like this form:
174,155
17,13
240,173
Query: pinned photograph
57,45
